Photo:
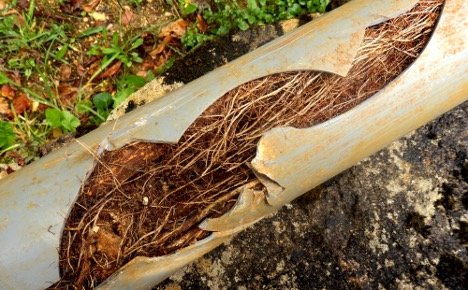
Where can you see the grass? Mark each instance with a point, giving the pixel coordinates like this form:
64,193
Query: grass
65,65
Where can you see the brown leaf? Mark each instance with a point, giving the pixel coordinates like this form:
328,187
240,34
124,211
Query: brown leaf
93,68
176,28
65,89
4,108
90,5
167,39
16,77
21,103
201,24
67,94
65,72
23,4
7,91
2,5
112,70
127,17
80,70
42,107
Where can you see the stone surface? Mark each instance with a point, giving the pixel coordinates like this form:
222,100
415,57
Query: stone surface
397,220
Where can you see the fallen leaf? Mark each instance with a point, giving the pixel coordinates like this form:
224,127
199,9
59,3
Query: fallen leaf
65,72
67,94
201,24
90,5
16,77
80,70
7,91
127,17
65,89
23,4
93,68
161,46
2,5
112,70
176,28
4,108
42,107
20,104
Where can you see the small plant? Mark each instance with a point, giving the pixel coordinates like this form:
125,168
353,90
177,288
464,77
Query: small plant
104,102
230,15
61,119
193,38
7,136
118,49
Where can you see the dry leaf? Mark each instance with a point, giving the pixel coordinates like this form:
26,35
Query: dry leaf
80,70
7,92
112,70
93,67
65,72
16,77
127,17
65,89
2,5
167,39
4,108
90,6
201,24
176,28
20,104
67,94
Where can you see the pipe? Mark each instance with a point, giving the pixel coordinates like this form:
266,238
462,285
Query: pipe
35,201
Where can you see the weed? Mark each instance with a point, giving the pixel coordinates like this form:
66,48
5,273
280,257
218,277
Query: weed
7,135
230,15
104,102
118,49
193,38
59,119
